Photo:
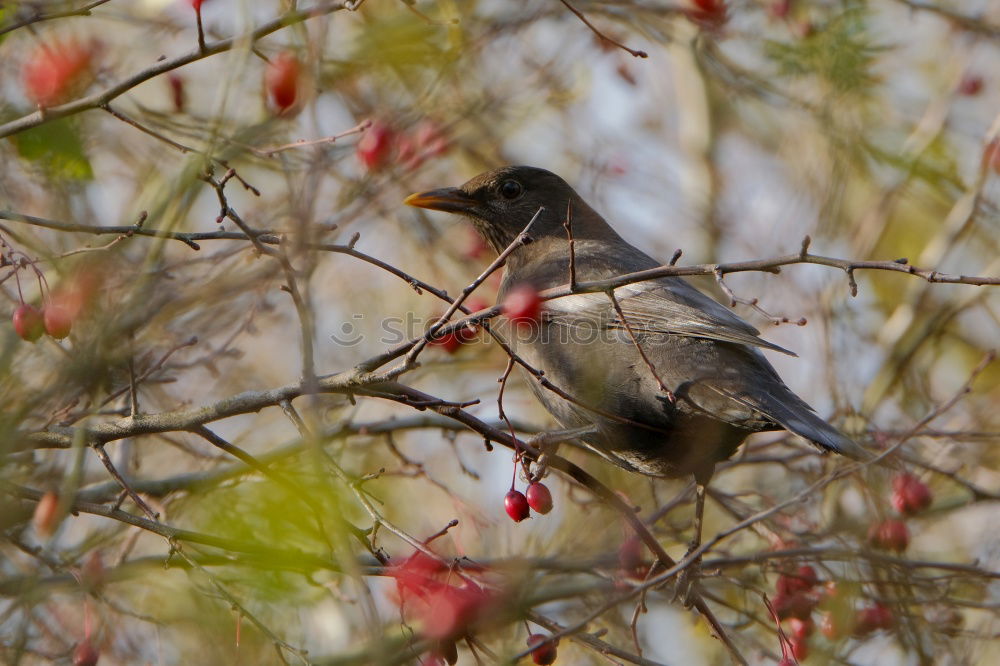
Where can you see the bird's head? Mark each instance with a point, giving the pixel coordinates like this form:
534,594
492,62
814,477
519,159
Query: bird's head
501,202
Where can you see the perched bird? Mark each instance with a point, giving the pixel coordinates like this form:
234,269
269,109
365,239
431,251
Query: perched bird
671,381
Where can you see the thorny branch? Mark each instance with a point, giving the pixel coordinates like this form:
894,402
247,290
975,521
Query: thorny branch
364,381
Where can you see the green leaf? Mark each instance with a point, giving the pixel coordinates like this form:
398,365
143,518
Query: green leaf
58,147
840,52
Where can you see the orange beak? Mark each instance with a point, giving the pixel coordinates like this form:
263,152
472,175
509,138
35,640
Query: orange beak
448,199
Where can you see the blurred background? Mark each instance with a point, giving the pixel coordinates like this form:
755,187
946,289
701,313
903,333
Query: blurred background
278,535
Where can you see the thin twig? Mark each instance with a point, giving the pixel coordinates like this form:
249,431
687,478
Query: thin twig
103,455
568,225
305,143
635,341
601,35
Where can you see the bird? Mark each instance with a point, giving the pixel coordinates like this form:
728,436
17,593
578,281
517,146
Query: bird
664,380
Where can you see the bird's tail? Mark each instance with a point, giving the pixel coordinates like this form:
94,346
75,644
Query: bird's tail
794,414
806,423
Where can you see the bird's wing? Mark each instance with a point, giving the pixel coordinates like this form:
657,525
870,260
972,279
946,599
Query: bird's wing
666,306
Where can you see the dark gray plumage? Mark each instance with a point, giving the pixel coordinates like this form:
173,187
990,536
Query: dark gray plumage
710,359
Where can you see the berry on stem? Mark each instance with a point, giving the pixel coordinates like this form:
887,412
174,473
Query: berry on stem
797,604
28,322
910,495
710,14
539,497
545,652
522,305
282,81
872,619
804,578
375,146
516,505
890,534
58,322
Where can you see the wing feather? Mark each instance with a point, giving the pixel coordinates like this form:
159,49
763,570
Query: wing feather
660,307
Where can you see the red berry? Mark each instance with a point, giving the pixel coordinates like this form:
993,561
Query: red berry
889,535
450,343
374,147
800,649
539,497
872,619
196,4
58,322
798,605
803,579
85,654
709,14
970,85
910,495
282,80
448,610
545,653
801,628
516,505
45,518
522,305
28,322
54,71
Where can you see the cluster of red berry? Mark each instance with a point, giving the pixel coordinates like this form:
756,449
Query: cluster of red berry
799,593
381,145
522,306
60,309
910,496
31,322
518,505
447,611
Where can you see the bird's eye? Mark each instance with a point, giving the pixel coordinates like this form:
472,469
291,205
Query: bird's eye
511,189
